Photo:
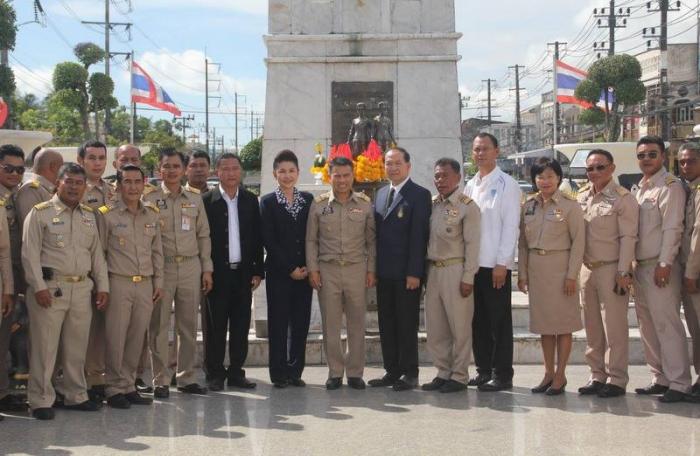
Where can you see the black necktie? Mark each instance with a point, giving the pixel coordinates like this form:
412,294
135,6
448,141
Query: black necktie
391,199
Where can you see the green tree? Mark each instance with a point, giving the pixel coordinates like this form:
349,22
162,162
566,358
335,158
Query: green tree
251,155
159,137
621,74
121,127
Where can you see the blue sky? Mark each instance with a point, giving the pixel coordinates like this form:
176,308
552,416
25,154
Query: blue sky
170,38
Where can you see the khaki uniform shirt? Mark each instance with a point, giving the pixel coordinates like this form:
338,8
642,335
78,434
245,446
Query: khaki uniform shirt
612,220
661,201
8,286
183,224
555,225
690,244
13,224
98,195
132,242
455,232
64,240
30,194
341,231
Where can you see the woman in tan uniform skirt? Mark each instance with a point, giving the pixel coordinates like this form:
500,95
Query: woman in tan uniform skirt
552,236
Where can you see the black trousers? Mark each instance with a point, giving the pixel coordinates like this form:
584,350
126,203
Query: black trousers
228,309
288,315
398,310
492,326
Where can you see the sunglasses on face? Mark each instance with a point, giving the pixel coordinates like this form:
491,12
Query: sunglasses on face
651,155
590,169
9,169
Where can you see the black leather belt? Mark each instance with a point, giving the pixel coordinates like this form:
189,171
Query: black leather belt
234,266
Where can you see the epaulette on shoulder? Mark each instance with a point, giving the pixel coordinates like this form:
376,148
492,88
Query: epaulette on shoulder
531,197
34,184
363,197
670,179
697,187
585,188
43,205
436,199
149,189
3,202
192,190
104,209
322,197
622,191
465,199
151,206
86,208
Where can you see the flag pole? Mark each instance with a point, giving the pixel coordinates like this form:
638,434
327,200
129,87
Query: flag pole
131,98
555,123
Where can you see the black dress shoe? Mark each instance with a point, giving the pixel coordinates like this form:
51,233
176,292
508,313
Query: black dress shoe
611,390
405,383
555,391
652,388
241,382
334,383
695,389
479,380
495,385
280,384
97,393
173,380
118,401
86,406
43,413
59,402
386,380
161,392
590,388
541,388
192,388
141,386
356,383
216,384
434,385
13,403
453,386
135,398
295,381
671,396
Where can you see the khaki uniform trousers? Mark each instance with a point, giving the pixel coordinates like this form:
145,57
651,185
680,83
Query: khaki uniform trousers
6,333
182,285
607,328
663,334
448,322
64,326
95,357
127,319
343,290
691,309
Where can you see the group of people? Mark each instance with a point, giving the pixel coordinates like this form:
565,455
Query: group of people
103,266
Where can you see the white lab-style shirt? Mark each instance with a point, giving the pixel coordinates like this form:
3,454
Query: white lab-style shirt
498,196
234,235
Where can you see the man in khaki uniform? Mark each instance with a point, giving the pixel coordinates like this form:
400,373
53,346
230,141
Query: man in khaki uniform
92,156
6,282
62,260
453,259
188,269
47,163
130,233
657,275
689,161
11,172
340,257
612,219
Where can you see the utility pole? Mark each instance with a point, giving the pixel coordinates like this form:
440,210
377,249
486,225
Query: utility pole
610,16
555,122
518,126
489,116
206,102
183,122
235,122
252,123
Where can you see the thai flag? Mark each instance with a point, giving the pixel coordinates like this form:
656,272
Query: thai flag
145,90
568,78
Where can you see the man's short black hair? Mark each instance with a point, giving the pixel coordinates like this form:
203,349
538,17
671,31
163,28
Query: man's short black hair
653,140
129,167
82,150
199,153
71,168
340,161
602,152
483,135
228,156
171,152
542,164
404,152
449,162
693,147
11,150
285,155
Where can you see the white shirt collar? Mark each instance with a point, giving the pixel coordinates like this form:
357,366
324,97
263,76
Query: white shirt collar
225,195
397,188
494,172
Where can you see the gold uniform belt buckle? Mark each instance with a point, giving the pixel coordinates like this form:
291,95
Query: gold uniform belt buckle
178,258
541,252
439,264
136,279
72,279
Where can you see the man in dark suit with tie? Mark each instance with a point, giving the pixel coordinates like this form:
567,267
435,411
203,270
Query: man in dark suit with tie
234,222
402,215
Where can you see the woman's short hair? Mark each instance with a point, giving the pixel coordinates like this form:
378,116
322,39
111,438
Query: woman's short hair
285,155
542,164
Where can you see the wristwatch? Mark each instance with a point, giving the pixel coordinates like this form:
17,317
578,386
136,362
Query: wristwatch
624,274
663,264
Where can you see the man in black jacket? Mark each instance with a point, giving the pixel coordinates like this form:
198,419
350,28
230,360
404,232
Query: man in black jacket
402,215
234,221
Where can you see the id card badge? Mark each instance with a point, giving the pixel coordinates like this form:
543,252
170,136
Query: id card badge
186,223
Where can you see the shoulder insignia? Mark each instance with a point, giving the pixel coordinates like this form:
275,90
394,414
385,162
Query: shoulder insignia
192,190
2,202
622,191
465,199
151,206
34,184
104,209
363,197
322,197
86,208
697,187
670,179
585,188
436,199
148,189
532,197
42,206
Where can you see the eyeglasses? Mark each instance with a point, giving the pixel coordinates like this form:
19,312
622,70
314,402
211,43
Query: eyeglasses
9,169
651,155
689,161
590,169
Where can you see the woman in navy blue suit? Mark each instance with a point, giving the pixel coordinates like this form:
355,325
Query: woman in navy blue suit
284,213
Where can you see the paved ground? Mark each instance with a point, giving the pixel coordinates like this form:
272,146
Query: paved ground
373,422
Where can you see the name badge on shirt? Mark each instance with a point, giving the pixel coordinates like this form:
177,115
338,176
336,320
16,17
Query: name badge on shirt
162,204
120,225
530,209
188,205
327,210
186,223
57,221
451,212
